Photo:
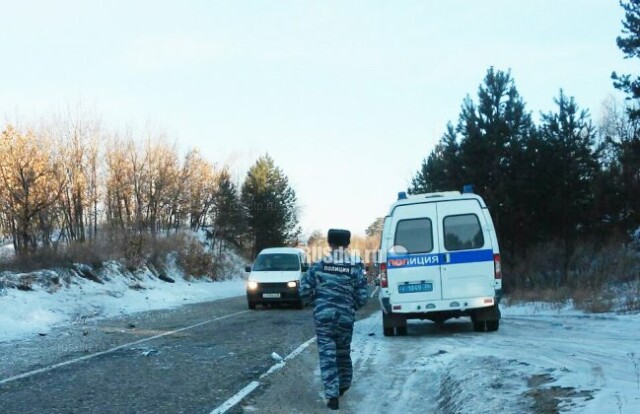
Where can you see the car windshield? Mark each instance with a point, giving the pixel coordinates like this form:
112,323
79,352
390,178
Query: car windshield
276,262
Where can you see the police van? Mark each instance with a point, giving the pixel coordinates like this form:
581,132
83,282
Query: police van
439,259
274,277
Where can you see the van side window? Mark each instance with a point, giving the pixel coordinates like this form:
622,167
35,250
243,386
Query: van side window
462,232
415,235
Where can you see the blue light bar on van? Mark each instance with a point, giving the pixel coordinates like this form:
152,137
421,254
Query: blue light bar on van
467,188
402,195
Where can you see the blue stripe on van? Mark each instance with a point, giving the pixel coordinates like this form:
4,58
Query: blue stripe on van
470,256
418,260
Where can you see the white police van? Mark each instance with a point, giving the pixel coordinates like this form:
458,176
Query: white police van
275,277
439,259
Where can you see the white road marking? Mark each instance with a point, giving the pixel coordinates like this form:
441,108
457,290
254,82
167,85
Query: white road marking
236,398
108,351
255,384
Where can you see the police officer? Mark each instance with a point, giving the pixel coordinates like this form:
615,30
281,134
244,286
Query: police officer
337,287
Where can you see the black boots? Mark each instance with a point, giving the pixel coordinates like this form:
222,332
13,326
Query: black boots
333,404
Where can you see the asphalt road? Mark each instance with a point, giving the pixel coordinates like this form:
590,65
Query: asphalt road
187,360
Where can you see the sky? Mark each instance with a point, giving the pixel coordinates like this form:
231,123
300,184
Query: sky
347,97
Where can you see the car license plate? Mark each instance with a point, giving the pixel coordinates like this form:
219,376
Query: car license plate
415,287
270,295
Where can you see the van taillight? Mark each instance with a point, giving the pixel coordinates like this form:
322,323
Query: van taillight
383,275
497,266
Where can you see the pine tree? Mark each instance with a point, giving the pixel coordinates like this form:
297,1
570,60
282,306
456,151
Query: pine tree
487,149
630,45
375,228
494,135
270,206
611,195
229,221
440,171
569,136
628,150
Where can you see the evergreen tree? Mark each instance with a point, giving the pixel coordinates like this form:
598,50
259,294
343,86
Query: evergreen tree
569,137
316,238
488,150
270,206
628,150
494,135
375,228
373,241
229,221
316,245
441,170
614,188
629,43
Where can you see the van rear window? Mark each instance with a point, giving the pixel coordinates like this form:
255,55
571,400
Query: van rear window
462,232
415,235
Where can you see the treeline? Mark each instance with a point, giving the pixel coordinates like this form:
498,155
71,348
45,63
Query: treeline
559,180
72,183
563,189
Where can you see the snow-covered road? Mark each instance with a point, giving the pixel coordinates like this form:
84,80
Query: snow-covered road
541,360
536,361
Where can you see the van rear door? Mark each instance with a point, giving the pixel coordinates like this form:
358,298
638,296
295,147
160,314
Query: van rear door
413,263
467,255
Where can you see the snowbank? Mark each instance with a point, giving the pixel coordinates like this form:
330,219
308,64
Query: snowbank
35,302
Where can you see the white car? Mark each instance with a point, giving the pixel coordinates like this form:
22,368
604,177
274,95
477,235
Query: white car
275,277
439,260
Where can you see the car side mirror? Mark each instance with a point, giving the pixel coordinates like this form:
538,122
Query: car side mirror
305,267
247,269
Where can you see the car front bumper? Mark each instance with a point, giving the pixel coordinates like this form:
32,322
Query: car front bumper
273,292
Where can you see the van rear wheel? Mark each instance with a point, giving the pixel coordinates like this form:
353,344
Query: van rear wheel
394,324
493,326
479,326
388,327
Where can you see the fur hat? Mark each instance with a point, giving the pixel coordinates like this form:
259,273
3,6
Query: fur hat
339,237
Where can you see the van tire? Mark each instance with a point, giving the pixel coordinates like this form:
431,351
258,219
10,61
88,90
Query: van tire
299,304
388,327
252,305
479,326
394,324
493,326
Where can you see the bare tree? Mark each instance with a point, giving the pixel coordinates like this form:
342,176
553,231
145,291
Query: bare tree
161,180
119,187
200,188
76,134
32,182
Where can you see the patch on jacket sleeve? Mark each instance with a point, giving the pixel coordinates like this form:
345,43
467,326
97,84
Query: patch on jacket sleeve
336,269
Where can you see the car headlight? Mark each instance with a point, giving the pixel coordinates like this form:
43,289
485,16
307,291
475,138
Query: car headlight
252,285
292,284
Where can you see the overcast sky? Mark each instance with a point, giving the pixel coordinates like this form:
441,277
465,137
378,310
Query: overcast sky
348,97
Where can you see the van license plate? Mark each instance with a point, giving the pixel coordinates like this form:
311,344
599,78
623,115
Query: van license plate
270,295
415,287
